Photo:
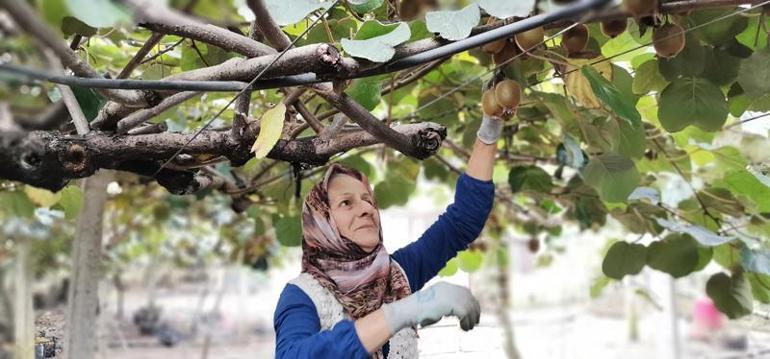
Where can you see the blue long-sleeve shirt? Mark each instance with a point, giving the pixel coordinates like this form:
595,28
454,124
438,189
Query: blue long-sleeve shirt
296,322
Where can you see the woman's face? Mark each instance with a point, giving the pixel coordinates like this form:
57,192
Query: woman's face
353,210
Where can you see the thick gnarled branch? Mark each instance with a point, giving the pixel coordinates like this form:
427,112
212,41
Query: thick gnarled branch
50,160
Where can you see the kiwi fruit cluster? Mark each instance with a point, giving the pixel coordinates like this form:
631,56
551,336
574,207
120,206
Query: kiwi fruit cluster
504,49
501,99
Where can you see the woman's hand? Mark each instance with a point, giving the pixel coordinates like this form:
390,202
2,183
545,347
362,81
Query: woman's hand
431,304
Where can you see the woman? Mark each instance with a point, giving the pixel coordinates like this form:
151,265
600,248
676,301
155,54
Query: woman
353,299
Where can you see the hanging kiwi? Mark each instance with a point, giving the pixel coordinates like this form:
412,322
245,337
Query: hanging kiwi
489,104
613,28
494,46
508,51
408,9
533,244
668,40
638,8
528,40
508,93
575,39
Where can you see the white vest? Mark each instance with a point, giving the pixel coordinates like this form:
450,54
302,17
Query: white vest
403,345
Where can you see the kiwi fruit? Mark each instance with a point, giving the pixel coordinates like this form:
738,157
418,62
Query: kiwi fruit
613,28
533,244
575,39
638,8
508,51
528,40
508,93
489,104
408,9
494,46
668,40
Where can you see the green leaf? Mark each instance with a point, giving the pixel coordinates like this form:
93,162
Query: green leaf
270,130
731,295
533,178
760,287
17,203
721,68
378,48
287,12
90,102
449,269
364,6
743,182
612,97
676,255
393,191
639,217
366,91
614,176
53,11
721,200
71,25
632,141
503,9
704,257
469,260
623,259
689,63
692,101
42,197
721,27
453,25
757,260
701,234
647,78
71,201
98,13
754,74
288,230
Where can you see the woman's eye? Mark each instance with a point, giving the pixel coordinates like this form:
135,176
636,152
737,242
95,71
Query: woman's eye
344,203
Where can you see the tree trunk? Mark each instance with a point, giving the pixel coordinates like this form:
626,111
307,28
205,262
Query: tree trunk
6,304
82,305
504,287
24,316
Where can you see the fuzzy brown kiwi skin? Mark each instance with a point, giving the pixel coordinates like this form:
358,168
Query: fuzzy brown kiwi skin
668,40
409,9
489,104
494,46
640,7
530,39
506,53
508,94
613,28
575,39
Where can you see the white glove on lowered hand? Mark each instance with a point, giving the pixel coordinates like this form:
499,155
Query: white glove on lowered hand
431,304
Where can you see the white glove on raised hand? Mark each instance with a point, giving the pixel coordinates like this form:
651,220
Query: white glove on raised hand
431,304
490,130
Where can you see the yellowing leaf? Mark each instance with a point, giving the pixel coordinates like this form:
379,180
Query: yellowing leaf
42,197
578,86
270,130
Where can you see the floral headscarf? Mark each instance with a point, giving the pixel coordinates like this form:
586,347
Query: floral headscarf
360,281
